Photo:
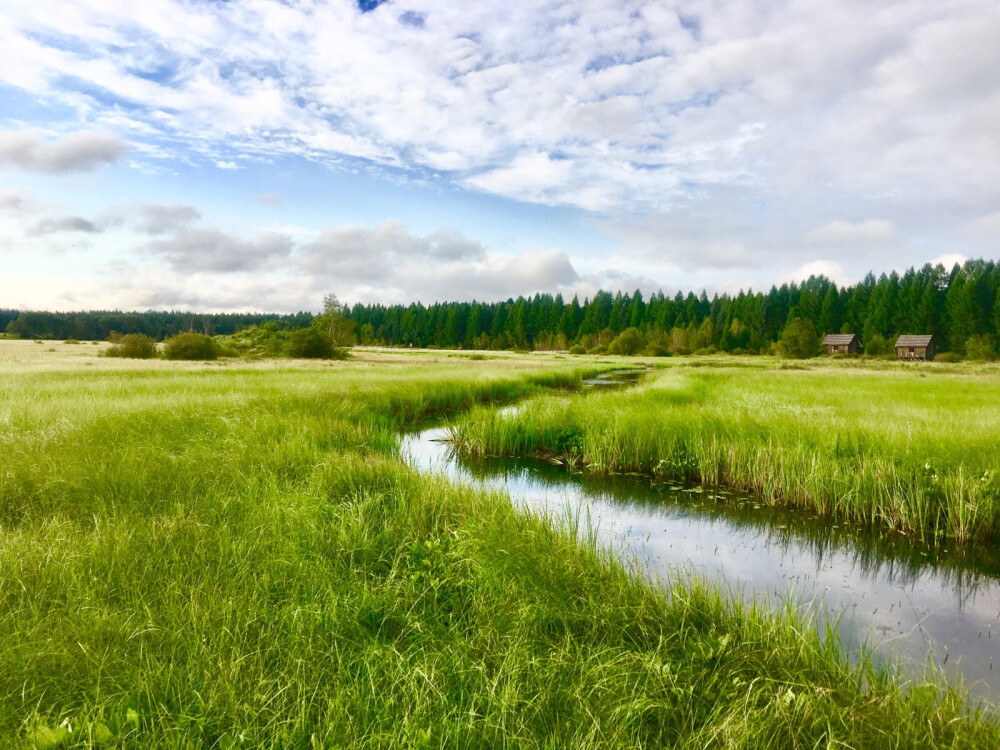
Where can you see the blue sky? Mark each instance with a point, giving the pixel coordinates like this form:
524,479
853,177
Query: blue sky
257,154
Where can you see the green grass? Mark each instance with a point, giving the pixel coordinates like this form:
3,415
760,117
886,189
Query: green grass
903,448
219,557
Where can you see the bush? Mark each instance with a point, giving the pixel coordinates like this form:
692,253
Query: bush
948,357
878,345
980,348
191,346
628,343
799,340
309,343
578,349
133,346
71,341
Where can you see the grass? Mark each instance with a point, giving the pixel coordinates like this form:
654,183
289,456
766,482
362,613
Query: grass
911,449
205,556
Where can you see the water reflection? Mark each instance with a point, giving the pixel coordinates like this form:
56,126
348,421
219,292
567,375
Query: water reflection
907,601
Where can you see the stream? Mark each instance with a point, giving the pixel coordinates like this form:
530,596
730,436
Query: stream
909,604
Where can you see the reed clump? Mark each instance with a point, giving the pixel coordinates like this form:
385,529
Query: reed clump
889,449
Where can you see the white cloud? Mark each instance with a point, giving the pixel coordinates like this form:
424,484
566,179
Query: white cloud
605,107
948,260
149,218
76,152
840,233
831,269
211,249
227,164
17,202
985,228
57,224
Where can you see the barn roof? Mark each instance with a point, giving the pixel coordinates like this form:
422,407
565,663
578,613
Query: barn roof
907,340
839,338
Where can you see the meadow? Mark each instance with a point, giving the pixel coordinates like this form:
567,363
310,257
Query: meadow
892,446
234,554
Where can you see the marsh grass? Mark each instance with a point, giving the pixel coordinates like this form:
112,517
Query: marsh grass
217,558
890,449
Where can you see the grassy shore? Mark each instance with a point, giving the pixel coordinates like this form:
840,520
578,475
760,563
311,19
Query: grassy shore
229,556
911,448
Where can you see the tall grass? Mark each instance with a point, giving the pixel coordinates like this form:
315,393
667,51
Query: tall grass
237,558
890,450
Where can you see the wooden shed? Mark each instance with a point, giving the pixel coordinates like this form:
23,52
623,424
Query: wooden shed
915,347
844,343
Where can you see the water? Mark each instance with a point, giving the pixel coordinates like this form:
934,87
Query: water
910,604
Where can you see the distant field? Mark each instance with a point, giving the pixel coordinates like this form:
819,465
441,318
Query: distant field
233,555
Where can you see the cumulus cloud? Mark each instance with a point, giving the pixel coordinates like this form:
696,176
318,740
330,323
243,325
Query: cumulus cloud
948,260
985,228
688,239
78,152
211,249
367,254
56,224
150,218
869,232
17,202
831,269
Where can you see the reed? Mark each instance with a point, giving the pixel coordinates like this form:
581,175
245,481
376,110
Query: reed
911,450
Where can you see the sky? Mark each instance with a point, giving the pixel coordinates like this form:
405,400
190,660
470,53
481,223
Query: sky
256,155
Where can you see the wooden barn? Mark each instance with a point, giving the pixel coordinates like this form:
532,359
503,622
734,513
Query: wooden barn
915,347
843,343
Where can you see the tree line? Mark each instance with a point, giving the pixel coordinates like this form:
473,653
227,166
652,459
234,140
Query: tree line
960,306
99,325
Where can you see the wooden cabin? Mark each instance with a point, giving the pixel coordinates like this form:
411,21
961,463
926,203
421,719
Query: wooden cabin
842,343
915,347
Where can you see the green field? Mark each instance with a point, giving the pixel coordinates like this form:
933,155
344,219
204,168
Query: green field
910,448
234,555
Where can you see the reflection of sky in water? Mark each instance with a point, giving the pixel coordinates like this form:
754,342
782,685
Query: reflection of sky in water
913,612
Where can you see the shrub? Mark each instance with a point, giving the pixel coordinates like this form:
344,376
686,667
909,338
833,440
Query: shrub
71,341
878,345
133,346
658,344
309,343
799,340
628,343
191,346
980,348
578,349
948,357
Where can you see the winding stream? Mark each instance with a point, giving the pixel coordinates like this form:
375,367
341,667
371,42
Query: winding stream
911,604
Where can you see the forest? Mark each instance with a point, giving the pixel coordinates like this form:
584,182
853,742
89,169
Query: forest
957,306
98,325
960,306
